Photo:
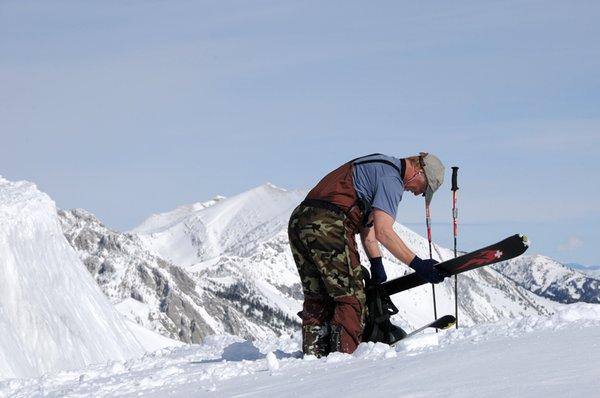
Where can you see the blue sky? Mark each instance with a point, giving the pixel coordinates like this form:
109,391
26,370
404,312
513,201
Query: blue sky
126,108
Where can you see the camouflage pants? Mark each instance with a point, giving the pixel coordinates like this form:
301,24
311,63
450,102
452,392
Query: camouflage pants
325,253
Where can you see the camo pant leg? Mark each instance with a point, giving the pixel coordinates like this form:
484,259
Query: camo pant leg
325,253
317,308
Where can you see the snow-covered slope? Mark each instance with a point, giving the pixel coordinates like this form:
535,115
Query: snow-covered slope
593,271
248,285
551,279
162,221
234,226
251,290
53,316
233,295
527,357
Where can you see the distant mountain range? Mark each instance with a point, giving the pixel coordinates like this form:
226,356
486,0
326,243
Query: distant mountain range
235,272
551,279
216,267
591,270
220,266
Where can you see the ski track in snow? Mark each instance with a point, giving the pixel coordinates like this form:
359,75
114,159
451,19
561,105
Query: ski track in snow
533,356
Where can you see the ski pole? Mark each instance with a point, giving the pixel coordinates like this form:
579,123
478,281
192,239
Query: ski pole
428,222
455,230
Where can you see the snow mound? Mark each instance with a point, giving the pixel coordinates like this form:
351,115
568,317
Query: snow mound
53,316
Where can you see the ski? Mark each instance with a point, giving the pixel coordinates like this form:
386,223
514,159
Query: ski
506,249
444,322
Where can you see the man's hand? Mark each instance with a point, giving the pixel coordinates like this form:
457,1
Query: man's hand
427,270
378,274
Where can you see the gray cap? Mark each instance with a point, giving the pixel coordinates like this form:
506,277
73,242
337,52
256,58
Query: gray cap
434,172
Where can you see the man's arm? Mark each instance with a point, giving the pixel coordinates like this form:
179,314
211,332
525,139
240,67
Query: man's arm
369,242
385,234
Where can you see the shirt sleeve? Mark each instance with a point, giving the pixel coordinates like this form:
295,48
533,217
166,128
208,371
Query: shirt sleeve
388,195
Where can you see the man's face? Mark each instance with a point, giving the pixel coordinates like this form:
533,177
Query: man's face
417,184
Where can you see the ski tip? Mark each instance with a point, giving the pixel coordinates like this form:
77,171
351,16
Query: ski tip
525,239
448,326
446,322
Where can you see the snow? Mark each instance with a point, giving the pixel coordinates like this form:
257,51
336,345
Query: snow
238,247
69,341
53,316
162,221
552,356
593,271
197,233
150,340
547,277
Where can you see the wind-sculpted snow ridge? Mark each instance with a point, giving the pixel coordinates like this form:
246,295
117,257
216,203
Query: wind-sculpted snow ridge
162,221
53,316
229,226
550,356
550,279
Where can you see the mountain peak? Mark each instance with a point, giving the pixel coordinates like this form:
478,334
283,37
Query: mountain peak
273,186
249,217
160,221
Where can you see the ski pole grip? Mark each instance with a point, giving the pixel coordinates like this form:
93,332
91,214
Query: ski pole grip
454,178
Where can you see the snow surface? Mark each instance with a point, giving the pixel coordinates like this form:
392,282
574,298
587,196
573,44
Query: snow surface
554,356
150,340
198,233
53,316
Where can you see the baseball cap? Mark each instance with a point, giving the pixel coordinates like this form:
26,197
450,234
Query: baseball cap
434,172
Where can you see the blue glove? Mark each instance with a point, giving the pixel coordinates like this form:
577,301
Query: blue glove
427,270
377,271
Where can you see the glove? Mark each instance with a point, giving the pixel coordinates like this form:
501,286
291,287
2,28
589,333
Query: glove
377,271
427,270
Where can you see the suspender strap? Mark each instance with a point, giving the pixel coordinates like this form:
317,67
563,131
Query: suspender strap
357,161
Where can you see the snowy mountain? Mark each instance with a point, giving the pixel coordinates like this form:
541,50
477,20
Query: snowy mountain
237,274
551,279
198,233
251,250
251,290
593,271
164,297
53,316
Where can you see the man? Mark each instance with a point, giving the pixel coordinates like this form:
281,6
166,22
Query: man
361,196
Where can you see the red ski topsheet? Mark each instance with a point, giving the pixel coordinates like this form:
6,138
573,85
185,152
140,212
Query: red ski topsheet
506,249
